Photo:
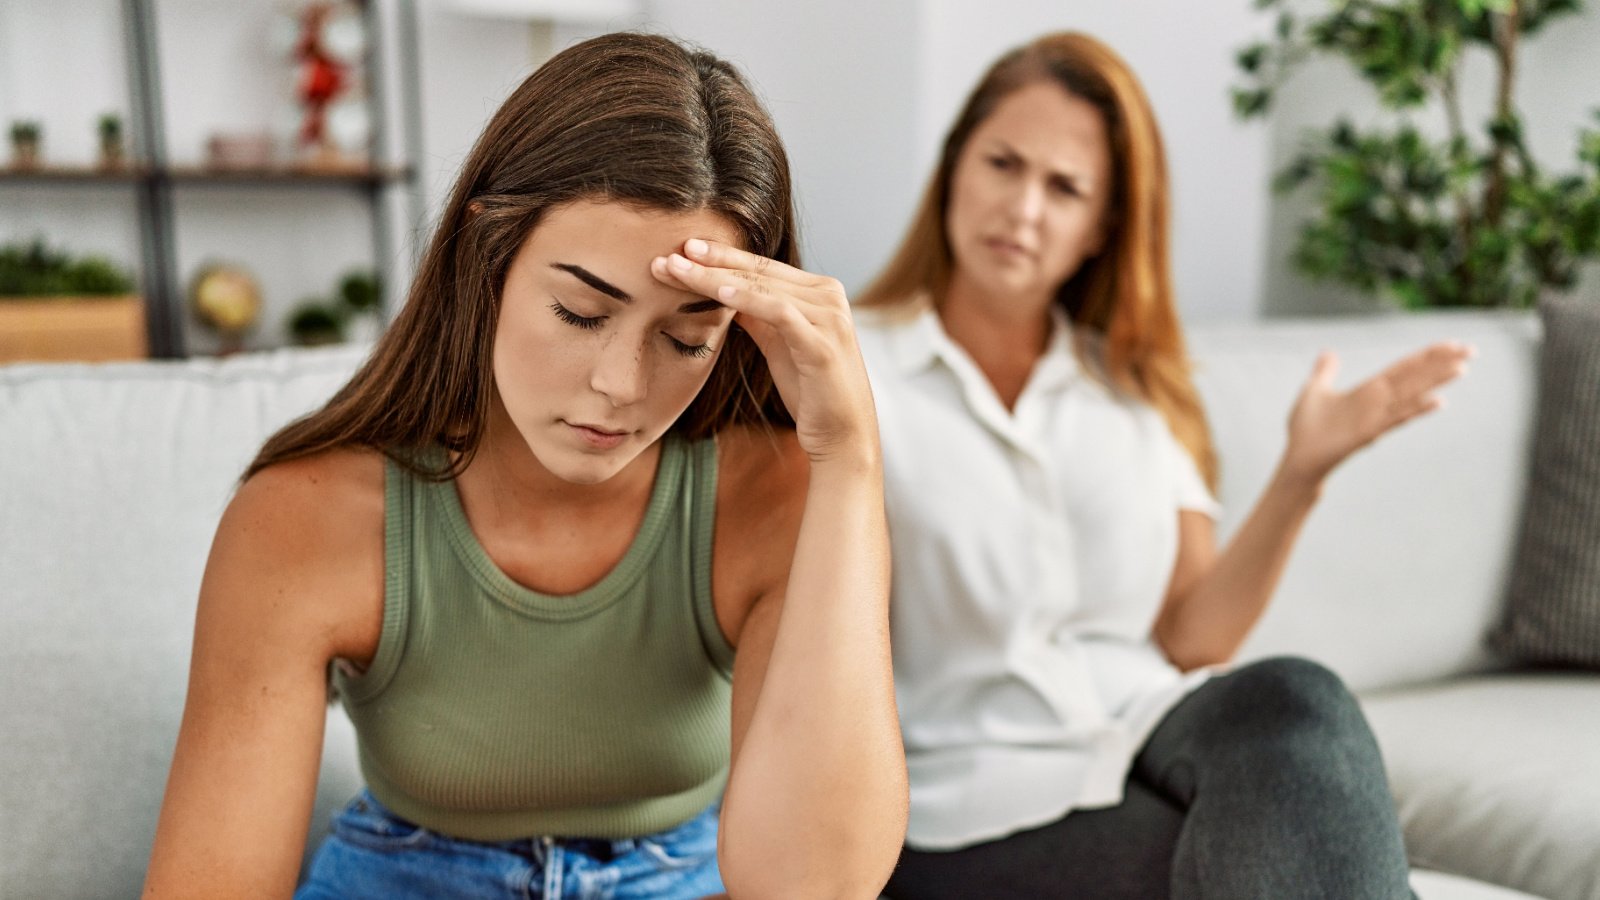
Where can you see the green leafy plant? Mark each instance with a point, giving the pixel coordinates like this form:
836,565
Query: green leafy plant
317,320
110,128
24,131
1469,219
359,290
35,270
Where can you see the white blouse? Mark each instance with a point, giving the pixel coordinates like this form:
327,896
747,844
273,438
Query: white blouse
1032,550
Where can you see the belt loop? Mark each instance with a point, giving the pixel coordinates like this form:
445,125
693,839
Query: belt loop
552,869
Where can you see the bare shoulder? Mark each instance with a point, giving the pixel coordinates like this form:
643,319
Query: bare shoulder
305,537
759,467
761,493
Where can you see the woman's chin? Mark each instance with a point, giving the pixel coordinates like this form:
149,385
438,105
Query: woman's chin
576,467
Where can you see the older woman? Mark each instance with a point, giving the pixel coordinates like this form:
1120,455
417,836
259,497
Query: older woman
1061,613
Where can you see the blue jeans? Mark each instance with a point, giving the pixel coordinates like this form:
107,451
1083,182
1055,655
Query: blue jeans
373,853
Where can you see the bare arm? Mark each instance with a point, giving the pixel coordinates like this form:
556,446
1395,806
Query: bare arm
816,800
815,806
1213,601
239,795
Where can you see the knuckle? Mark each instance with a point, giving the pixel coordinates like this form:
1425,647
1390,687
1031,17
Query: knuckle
836,321
792,317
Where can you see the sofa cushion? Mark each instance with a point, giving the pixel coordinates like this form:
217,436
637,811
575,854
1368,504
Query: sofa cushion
1401,569
1495,778
1442,886
1553,607
112,480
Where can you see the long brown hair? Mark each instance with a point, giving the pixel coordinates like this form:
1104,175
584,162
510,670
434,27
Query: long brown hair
1124,294
630,118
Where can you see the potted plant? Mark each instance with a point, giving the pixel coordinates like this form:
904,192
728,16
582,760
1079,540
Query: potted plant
359,292
56,307
315,323
26,136
110,131
1469,220
351,314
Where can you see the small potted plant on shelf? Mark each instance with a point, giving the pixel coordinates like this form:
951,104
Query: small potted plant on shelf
315,323
359,291
55,307
25,139
352,314
111,153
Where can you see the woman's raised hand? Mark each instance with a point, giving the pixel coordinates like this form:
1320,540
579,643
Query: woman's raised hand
801,322
1326,425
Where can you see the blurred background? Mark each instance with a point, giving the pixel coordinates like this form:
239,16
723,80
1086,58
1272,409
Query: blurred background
254,173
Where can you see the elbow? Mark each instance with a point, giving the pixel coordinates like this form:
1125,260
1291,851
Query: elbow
818,885
849,865
1190,655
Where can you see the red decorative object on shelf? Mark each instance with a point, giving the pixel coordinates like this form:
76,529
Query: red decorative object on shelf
329,51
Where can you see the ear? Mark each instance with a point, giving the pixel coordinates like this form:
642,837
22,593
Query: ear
474,208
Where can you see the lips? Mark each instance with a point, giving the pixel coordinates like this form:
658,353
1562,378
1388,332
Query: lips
597,436
1005,245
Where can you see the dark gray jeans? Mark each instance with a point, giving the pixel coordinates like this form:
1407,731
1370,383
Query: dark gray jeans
1263,783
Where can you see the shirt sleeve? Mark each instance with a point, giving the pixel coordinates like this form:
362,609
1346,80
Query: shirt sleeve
1189,486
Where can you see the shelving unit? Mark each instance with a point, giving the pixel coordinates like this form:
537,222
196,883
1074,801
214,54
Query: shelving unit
155,180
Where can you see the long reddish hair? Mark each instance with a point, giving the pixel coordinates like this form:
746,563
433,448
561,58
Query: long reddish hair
630,118
1124,294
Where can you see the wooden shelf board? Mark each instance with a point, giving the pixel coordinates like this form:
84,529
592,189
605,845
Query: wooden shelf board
73,174
205,175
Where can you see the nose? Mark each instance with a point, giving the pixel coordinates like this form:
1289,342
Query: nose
1027,201
619,373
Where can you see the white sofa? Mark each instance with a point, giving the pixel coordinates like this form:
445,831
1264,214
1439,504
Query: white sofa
112,479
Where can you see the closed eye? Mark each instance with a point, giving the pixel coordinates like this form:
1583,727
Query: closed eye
694,351
1003,163
587,323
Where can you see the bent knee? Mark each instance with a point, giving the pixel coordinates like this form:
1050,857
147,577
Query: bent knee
1290,694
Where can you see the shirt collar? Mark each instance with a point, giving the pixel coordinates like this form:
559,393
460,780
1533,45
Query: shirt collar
924,342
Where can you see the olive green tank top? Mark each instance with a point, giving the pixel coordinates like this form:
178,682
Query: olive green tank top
493,712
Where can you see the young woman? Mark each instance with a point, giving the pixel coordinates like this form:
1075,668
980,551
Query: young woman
529,534
1058,601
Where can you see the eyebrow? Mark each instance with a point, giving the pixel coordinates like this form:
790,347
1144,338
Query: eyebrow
703,305
1073,177
594,281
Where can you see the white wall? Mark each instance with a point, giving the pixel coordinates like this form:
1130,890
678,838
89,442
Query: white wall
839,78
1557,87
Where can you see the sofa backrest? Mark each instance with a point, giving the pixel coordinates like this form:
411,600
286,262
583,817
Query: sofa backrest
112,480
1401,569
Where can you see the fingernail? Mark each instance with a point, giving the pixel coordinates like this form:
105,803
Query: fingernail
696,246
726,292
678,263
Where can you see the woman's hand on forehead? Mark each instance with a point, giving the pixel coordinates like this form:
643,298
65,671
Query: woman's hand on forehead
801,322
